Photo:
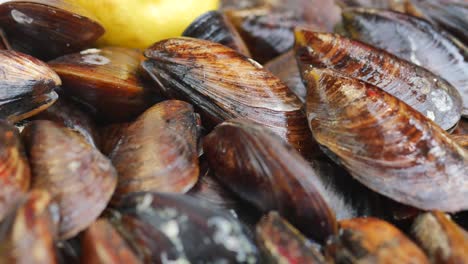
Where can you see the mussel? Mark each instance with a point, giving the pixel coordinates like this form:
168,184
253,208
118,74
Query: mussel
158,151
4,44
224,84
416,86
385,144
108,81
79,178
26,86
48,28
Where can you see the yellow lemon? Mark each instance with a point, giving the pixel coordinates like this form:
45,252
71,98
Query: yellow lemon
140,23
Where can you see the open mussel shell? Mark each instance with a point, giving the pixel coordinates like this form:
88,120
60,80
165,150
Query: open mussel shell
101,243
223,84
158,151
280,242
48,28
80,179
385,144
26,87
27,235
108,81
416,86
14,169
262,169
215,26
170,227
414,40
450,15
370,240
442,239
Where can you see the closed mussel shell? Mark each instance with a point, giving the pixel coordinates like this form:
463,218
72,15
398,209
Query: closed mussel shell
26,87
158,151
14,169
27,235
80,179
414,40
263,170
370,240
416,86
108,81
48,28
385,144
442,239
169,227
282,243
223,84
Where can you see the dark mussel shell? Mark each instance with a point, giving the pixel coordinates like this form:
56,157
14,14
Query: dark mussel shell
461,140
107,80
15,174
370,240
170,227
385,144
280,242
27,235
451,15
285,67
223,84
261,169
101,244
110,135
414,40
462,127
26,86
396,5
48,28
158,152
80,179
416,86
442,239
4,44
215,26
240,4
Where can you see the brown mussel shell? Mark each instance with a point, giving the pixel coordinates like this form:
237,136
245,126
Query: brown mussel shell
80,179
462,127
461,140
110,135
414,40
26,86
280,242
107,80
4,44
27,235
15,174
396,5
102,244
370,240
442,239
223,84
385,144
48,28
215,26
416,86
170,227
158,151
265,171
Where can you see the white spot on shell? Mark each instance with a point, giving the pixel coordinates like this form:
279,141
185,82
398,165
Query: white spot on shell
256,64
430,115
441,100
166,260
74,165
90,51
171,229
145,203
20,17
95,59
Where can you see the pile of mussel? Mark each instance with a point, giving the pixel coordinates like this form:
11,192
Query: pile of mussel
296,131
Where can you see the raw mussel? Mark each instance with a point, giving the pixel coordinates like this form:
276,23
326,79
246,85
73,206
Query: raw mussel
224,84
414,40
442,239
79,178
165,228
108,81
26,86
262,169
371,240
280,242
385,144
416,86
28,233
14,169
158,151
48,28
